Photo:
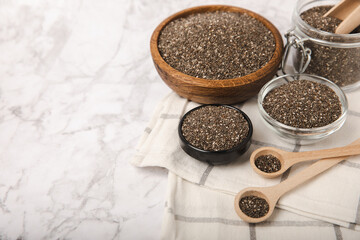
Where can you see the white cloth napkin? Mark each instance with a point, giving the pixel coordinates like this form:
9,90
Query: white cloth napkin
333,196
196,212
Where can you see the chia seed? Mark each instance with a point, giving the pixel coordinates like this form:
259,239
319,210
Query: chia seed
216,45
340,65
253,206
215,128
268,163
303,104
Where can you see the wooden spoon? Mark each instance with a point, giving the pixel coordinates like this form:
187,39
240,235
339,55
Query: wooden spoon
287,159
273,193
349,12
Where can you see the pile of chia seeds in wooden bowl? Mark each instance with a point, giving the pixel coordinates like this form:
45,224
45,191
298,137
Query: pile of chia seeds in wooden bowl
303,104
215,128
216,45
340,65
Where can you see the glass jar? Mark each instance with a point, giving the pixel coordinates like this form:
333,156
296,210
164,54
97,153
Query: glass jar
333,56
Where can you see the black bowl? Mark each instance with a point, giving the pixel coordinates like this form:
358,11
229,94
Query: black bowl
216,157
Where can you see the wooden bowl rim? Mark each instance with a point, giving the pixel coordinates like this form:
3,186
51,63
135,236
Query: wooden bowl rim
223,83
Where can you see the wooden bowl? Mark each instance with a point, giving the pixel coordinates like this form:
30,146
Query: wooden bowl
225,91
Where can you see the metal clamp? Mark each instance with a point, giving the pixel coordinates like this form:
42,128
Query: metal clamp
293,40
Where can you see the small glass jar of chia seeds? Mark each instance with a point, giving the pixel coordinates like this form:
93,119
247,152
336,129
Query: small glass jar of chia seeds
319,52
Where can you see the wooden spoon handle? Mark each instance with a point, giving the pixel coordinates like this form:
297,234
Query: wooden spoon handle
348,150
350,22
339,8
316,168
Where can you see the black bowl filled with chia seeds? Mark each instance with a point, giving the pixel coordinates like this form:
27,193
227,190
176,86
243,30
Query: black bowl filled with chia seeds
302,108
215,133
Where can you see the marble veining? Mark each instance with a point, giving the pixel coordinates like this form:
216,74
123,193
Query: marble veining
77,89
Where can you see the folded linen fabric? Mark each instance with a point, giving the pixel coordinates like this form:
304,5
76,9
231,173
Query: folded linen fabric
333,196
197,212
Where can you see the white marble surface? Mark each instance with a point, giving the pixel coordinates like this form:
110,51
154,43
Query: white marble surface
77,89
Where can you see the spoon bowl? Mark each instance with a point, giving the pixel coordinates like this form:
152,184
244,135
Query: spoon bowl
278,153
258,192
